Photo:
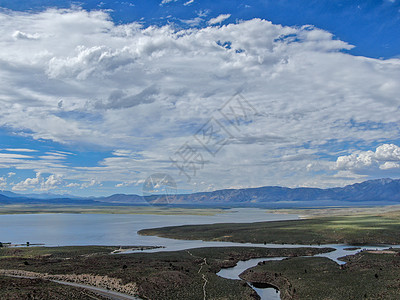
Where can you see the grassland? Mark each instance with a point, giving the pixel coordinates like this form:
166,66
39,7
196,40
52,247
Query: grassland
161,275
353,230
339,211
365,276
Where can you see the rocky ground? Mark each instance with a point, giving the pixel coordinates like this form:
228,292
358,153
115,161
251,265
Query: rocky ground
187,274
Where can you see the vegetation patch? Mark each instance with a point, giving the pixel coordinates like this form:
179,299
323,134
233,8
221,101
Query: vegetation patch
352,230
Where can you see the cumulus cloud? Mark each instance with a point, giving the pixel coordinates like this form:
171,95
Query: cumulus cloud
219,19
3,182
90,183
28,183
38,183
25,36
145,91
51,182
389,165
385,157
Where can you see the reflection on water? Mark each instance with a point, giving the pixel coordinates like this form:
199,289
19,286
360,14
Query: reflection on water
261,285
266,291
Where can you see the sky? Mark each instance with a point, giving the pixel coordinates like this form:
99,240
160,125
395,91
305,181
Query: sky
98,96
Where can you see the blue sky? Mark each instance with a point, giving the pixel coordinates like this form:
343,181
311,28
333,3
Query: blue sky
369,25
99,95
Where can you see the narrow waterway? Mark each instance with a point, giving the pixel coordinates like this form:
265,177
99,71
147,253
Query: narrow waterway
265,292
268,292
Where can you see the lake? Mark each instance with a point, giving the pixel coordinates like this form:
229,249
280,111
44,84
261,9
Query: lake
113,229
121,230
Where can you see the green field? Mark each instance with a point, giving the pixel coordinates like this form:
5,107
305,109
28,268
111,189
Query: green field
352,230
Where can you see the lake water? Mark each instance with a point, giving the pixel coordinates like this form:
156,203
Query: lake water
113,229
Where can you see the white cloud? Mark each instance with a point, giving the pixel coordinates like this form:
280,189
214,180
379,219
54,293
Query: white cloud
385,157
73,185
90,183
389,165
163,2
141,93
130,183
203,13
51,182
13,159
25,36
193,22
53,156
219,19
10,174
28,183
188,2
3,182
38,183
388,152
20,150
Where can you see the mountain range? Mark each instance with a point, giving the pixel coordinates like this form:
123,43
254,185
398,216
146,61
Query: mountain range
372,192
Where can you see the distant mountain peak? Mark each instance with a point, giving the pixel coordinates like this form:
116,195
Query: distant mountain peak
385,191
386,180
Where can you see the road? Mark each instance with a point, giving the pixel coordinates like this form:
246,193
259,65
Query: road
103,292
